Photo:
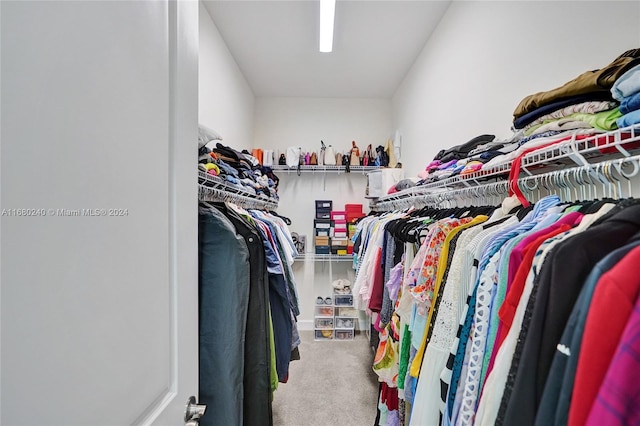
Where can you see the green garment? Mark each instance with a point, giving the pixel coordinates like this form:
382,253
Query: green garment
603,120
404,356
272,348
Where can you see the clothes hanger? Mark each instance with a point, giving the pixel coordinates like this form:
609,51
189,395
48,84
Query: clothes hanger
284,219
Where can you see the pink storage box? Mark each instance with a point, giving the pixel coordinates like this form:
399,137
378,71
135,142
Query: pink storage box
338,215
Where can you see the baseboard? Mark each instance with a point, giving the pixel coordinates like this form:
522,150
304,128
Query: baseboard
305,325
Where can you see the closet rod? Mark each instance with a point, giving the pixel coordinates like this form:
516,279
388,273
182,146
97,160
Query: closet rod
211,188
590,181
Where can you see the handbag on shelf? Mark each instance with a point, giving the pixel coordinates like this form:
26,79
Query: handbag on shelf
258,154
323,149
355,154
369,156
313,160
329,156
346,162
293,156
282,160
267,157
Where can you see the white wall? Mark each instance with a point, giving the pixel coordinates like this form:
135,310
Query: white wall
283,122
484,57
226,102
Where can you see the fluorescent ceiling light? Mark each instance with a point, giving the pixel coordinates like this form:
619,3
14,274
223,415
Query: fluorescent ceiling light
327,15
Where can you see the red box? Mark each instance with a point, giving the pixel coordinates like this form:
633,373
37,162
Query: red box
349,249
353,208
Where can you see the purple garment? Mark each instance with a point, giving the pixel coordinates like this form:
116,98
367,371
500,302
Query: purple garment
629,104
393,418
395,281
448,164
618,400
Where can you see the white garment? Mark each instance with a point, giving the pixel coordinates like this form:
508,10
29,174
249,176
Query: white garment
427,406
478,341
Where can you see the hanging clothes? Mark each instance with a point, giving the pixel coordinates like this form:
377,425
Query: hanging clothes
482,307
248,310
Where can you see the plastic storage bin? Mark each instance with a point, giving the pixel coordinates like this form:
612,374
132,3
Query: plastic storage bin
347,311
343,299
324,311
325,323
344,334
324,334
348,323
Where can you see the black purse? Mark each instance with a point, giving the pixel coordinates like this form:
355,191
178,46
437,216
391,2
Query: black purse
282,160
346,162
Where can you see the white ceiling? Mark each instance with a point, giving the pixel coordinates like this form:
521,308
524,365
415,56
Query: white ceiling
275,43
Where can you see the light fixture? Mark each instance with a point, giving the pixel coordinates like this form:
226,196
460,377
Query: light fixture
327,15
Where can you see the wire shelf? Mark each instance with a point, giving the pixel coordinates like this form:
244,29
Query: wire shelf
215,189
324,169
573,154
325,257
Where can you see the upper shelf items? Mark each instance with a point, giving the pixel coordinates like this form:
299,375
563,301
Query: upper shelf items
324,169
569,154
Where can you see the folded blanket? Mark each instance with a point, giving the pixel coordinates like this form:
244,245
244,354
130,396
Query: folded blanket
585,107
587,82
541,112
603,120
629,119
627,84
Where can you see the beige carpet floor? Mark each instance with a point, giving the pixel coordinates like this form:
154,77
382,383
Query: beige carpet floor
332,384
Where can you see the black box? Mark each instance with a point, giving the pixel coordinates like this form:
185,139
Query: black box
323,249
324,205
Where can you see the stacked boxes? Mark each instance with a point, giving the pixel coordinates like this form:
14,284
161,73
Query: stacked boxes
352,213
324,322
323,226
351,229
345,317
334,229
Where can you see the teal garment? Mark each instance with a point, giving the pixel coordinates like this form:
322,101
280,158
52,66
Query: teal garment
223,259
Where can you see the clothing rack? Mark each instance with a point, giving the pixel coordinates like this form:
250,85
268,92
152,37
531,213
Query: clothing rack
213,188
572,169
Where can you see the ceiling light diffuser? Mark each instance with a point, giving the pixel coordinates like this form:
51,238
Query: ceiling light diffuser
327,15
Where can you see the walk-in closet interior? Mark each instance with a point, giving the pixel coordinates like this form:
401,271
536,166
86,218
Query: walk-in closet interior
213,214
